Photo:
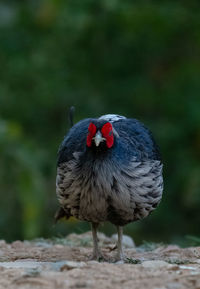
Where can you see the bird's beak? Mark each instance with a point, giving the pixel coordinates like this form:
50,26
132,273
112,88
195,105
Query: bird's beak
98,138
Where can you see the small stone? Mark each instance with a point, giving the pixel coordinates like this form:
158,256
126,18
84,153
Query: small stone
2,243
119,262
174,285
19,264
197,261
43,244
69,265
92,262
17,244
156,264
58,246
187,267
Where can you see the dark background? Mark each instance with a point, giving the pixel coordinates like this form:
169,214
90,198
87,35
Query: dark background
136,58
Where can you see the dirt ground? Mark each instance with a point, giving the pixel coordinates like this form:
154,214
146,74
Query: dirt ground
64,263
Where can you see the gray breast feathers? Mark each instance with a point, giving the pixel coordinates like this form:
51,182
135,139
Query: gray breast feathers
103,191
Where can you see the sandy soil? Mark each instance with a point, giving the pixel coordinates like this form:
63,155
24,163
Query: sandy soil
64,263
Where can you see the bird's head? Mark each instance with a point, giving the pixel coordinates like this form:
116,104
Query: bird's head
100,135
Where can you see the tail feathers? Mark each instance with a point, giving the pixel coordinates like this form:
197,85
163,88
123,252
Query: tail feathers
61,213
71,116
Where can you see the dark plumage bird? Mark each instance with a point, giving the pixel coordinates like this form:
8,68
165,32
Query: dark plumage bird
108,169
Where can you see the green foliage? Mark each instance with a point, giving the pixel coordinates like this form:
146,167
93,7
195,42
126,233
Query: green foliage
138,58
193,240
20,182
150,246
178,261
133,261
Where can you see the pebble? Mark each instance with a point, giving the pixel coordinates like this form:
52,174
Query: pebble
174,285
34,265
92,262
2,243
187,267
68,265
156,264
43,244
119,262
22,264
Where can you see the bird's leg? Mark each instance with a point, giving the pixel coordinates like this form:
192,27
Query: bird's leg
120,255
96,252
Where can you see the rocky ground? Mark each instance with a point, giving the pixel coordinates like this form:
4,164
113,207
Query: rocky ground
64,263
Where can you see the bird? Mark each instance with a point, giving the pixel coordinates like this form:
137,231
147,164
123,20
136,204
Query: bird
108,169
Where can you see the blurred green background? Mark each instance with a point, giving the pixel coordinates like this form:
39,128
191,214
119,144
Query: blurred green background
136,58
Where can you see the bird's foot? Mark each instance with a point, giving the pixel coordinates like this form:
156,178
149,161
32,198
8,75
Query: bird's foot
97,256
120,258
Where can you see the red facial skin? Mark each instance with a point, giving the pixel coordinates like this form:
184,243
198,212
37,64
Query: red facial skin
91,133
107,133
